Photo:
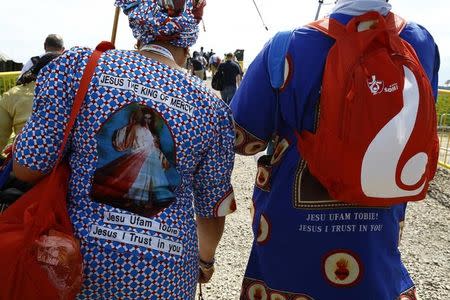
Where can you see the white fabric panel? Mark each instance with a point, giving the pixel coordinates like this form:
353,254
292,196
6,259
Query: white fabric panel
381,159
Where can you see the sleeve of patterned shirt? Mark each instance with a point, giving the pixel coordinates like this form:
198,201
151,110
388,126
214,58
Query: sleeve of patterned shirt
40,139
213,192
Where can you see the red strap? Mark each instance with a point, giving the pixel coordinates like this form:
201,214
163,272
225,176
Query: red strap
47,204
395,21
324,27
82,90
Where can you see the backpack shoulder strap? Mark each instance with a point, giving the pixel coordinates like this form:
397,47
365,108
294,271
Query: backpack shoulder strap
395,22
330,27
321,25
276,57
34,60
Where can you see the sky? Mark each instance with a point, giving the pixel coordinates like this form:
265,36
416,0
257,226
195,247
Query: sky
229,24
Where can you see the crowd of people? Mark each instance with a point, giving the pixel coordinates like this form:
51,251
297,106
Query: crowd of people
151,154
200,62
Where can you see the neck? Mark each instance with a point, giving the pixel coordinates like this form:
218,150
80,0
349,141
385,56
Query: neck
179,55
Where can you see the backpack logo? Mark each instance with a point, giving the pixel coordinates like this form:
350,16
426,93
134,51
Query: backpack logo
375,86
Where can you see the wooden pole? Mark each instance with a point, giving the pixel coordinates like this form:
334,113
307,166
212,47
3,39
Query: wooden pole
204,27
114,29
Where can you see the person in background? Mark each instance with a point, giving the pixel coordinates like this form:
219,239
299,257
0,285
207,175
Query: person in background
214,62
204,60
53,44
209,54
202,52
156,233
16,103
231,74
306,244
198,64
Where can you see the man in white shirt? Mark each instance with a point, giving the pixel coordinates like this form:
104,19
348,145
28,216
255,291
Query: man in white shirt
53,44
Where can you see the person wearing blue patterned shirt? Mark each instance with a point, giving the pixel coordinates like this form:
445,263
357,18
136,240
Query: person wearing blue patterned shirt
307,245
151,155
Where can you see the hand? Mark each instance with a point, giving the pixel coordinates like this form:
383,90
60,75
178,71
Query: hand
165,164
205,274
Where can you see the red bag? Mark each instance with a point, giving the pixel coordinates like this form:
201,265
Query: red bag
376,143
39,255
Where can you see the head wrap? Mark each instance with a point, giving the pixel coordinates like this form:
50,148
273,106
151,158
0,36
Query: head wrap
175,21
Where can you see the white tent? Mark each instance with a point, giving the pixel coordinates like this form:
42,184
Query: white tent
4,57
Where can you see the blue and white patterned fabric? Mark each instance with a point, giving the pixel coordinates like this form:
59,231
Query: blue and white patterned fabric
306,245
141,122
152,20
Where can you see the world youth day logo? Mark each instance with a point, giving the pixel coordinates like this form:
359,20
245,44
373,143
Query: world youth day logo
377,86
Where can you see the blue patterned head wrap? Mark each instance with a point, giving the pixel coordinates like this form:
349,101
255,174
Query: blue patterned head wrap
175,21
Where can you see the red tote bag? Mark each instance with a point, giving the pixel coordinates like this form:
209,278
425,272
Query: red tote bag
39,255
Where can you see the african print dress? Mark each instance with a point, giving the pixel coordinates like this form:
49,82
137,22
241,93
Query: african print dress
151,147
306,245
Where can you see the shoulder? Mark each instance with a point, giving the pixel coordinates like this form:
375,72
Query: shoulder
310,39
206,97
414,32
76,53
14,91
68,62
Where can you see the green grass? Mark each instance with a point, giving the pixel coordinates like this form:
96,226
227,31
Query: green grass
443,107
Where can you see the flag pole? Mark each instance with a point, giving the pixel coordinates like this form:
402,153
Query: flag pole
260,16
204,27
318,10
114,29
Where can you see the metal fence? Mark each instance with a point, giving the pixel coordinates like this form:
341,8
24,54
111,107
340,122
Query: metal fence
7,80
443,117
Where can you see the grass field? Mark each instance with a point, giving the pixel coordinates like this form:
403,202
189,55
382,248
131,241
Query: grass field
443,117
443,108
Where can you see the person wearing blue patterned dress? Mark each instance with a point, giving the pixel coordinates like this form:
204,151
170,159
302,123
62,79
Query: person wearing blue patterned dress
151,148
306,245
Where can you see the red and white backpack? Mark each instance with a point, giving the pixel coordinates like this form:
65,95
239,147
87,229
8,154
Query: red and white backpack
376,142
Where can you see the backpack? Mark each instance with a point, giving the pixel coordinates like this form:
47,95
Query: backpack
376,142
38,63
217,81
